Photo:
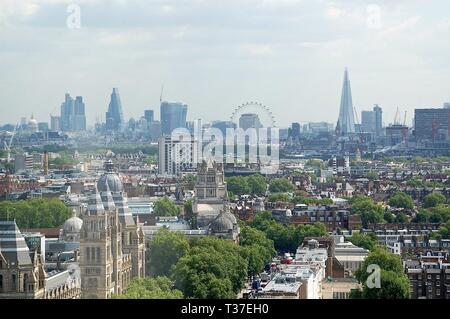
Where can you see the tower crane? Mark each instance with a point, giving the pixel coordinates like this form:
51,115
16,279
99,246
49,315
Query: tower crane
8,145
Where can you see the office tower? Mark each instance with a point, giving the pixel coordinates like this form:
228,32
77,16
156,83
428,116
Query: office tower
73,116
114,116
432,124
294,130
79,117
55,123
378,119
43,126
346,121
223,125
173,115
149,116
368,121
154,129
176,155
23,163
249,120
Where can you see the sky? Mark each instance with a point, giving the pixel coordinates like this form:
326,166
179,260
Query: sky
215,55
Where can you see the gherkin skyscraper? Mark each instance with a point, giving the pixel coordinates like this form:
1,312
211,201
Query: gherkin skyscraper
346,121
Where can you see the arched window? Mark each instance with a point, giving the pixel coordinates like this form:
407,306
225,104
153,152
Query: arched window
13,282
25,282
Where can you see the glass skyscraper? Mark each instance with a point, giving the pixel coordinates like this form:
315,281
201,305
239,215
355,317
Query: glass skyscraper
73,117
114,116
173,115
346,121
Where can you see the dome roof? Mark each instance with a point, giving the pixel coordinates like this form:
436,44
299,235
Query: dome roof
111,180
228,215
221,224
73,224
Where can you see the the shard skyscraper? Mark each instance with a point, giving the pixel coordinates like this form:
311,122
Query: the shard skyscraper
346,121
114,116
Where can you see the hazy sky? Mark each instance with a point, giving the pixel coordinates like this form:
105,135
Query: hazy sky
216,54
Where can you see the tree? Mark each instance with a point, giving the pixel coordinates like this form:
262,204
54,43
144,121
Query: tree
401,218
394,283
166,248
389,217
279,197
444,231
189,212
214,268
286,238
150,288
366,241
260,249
401,200
166,207
281,185
36,213
392,286
370,212
434,199
257,184
238,185
422,217
443,211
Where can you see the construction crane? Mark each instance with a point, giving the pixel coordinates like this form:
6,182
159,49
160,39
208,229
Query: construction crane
162,90
359,126
8,145
405,131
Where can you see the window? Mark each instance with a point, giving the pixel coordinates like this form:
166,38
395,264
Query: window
13,282
88,254
98,254
1,283
25,282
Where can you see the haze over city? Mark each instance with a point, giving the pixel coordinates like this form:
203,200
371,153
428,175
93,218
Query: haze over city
289,55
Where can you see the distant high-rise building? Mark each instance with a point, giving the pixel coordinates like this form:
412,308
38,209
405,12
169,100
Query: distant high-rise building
294,130
55,123
154,129
378,119
176,155
368,121
173,115
249,120
223,125
346,121
432,124
447,105
114,116
43,127
23,163
73,117
149,116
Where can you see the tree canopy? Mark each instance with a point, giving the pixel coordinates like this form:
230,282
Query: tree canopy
150,288
394,283
434,199
254,184
369,211
166,207
366,241
35,213
281,185
166,248
213,269
286,238
401,200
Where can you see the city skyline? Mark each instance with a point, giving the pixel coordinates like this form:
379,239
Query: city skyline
197,51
